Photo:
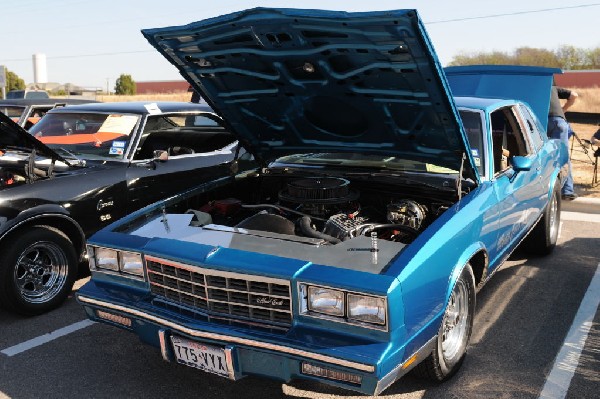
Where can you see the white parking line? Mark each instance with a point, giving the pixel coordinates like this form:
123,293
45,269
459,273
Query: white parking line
580,217
566,362
43,339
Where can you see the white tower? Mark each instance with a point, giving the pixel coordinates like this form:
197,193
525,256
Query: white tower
40,73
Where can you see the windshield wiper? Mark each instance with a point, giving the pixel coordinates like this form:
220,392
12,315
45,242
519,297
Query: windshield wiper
80,162
402,178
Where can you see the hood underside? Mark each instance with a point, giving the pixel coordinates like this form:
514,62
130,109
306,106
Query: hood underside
14,136
310,81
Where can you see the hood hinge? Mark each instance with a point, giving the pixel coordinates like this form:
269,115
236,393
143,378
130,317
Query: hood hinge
460,176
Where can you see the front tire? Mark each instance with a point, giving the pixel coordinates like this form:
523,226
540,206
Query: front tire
544,236
454,333
37,270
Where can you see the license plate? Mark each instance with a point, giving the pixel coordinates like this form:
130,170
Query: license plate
201,356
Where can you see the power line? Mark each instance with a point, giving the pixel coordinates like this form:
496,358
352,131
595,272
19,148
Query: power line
86,55
510,14
426,23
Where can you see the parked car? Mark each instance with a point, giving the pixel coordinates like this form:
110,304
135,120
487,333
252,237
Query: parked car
353,253
30,94
82,167
27,112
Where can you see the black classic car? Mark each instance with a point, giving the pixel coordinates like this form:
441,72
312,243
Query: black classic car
84,166
27,112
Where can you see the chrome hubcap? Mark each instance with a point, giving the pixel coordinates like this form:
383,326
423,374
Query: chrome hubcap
454,332
41,272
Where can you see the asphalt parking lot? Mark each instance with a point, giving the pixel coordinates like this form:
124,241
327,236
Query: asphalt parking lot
536,334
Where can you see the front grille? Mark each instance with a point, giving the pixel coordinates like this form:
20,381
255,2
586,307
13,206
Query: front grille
223,295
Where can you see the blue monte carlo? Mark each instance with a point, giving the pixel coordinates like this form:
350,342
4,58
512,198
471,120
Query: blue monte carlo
380,202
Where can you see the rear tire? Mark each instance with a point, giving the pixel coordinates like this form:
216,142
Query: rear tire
454,333
542,239
37,270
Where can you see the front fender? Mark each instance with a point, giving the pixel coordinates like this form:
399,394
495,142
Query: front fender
48,214
465,258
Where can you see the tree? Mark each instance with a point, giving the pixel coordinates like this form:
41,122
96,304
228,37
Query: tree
125,85
571,57
565,57
13,81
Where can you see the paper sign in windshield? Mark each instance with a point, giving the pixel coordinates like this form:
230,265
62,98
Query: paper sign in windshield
121,124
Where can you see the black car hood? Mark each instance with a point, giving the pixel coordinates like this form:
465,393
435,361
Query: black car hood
291,81
14,136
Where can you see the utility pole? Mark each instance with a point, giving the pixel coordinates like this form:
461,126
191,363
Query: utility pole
107,92
3,80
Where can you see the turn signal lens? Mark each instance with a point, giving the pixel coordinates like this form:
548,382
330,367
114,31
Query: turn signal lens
331,374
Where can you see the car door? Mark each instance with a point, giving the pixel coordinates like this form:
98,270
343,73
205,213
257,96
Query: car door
517,192
190,156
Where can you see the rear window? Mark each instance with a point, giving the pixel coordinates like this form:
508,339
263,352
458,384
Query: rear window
13,94
12,112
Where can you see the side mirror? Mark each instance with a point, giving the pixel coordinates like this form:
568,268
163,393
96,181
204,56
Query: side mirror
160,155
521,164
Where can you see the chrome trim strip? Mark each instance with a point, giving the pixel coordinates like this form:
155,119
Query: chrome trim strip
162,337
231,339
400,371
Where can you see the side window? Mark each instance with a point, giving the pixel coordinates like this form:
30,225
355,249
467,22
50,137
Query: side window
473,127
508,139
181,134
532,127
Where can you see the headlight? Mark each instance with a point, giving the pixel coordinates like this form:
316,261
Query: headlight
367,309
106,259
114,260
326,300
132,263
337,305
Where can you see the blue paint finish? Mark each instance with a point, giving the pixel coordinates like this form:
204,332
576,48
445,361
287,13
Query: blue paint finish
490,216
528,84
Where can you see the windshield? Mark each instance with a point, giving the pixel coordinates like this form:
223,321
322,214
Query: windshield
472,123
104,135
356,160
12,111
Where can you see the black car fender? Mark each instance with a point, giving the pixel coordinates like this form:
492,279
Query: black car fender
49,215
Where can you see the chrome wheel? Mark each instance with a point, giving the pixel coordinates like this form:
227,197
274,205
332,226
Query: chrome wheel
41,272
553,219
455,324
454,332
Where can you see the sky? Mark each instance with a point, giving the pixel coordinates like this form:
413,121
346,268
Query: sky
91,43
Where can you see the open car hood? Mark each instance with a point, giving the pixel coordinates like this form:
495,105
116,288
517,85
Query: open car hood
293,81
525,83
13,135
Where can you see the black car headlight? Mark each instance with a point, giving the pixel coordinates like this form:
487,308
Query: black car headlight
112,260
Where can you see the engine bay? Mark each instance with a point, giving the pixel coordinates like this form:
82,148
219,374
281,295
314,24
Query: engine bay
359,224
331,209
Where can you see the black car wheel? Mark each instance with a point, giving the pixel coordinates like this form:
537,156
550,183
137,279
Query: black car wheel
454,333
37,270
544,236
